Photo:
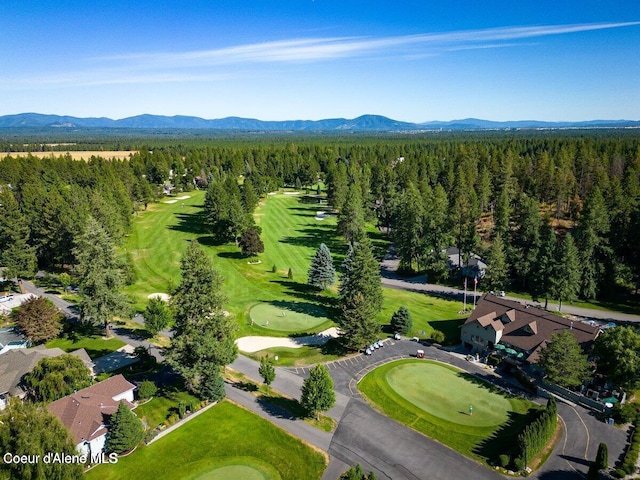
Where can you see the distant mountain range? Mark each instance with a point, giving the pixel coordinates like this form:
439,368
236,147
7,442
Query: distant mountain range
368,123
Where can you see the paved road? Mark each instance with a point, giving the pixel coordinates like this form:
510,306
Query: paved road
419,284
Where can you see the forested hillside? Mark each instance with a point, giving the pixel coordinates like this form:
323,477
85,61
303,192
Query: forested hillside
540,209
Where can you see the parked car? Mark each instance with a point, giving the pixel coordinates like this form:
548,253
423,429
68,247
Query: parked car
380,343
396,336
368,351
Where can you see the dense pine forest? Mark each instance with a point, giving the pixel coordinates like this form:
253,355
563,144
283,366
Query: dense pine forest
554,214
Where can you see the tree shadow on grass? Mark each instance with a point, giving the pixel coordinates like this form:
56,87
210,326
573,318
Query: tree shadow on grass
311,309
310,294
232,255
191,223
505,439
313,236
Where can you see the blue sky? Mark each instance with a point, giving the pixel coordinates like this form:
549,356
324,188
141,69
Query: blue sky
310,59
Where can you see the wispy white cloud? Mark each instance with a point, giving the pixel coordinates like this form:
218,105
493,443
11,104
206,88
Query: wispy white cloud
203,65
326,48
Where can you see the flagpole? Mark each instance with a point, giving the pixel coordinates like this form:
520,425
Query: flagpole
475,284
465,294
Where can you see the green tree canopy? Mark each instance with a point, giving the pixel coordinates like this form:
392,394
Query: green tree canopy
565,280
30,429
56,377
401,321
322,274
266,370
250,242
99,279
39,319
318,394
618,353
360,297
156,316
563,360
497,268
125,430
203,337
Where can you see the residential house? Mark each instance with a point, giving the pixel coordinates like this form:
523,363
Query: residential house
470,265
15,364
86,413
11,339
524,329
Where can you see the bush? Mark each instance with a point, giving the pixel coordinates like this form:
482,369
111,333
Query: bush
437,336
182,409
274,269
625,413
290,274
620,473
147,389
518,464
503,460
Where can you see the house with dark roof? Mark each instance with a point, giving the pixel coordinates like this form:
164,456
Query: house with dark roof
524,329
86,413
16,363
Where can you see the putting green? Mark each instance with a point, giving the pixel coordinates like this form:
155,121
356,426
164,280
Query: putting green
288,316
240,472
444,392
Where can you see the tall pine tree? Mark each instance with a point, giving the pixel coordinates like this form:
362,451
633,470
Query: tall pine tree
360,297
99,278
125,430
203,339
322,274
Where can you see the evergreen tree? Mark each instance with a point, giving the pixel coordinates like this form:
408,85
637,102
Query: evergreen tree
39,319
125,430
250,242
360,297
602,457
541,282
408,230
267,371
156,316
351,224
322,274
203,338
211,386
16,255
401,321
497,269
55,377
249,196
563,360
30,429
318,394
99,279
565,280
525,240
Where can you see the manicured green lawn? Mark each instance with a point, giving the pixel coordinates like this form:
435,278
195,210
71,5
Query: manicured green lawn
434,399
291,234
95,345
223,442
156,410
288,316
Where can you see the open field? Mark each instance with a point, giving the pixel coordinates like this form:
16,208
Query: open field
80,155
223,442
435,399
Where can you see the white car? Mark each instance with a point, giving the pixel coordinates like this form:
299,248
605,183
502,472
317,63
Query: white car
396,336
380,343
368,351
501,293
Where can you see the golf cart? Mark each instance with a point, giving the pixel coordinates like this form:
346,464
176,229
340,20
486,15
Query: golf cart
420,354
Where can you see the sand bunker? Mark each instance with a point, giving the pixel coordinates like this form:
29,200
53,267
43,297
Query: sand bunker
184,197
162,296
170,201
254,344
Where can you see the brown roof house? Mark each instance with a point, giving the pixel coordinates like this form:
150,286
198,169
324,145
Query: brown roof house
523,328
86,413
15,363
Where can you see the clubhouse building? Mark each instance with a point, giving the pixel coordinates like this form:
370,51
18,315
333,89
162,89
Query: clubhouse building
520,330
